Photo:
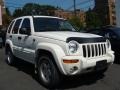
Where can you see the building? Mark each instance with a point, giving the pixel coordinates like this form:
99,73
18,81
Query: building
70,14
118,12
2,10
106,11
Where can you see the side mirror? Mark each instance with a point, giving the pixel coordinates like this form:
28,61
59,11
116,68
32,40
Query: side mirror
26,31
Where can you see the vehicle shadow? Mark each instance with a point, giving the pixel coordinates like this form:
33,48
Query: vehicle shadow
69,82
24,66
77,81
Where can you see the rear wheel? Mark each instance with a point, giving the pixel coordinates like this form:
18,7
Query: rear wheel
9,57
47,72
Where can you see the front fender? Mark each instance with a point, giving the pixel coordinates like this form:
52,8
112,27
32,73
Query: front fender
56,51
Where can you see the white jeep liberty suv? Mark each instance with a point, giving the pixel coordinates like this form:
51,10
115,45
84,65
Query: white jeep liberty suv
55,48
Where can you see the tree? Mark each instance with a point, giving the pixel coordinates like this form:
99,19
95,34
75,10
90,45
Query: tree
6,18
8,12
31,9
92,19
35,9
17,13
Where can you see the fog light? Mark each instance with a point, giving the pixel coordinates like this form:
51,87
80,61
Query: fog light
73,69
70,61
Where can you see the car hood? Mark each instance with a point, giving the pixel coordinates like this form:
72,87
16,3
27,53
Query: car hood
63,35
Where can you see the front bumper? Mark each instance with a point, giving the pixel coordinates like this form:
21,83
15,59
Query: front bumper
85,65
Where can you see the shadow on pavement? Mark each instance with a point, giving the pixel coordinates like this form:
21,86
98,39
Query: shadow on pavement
69,82
25,67
77,81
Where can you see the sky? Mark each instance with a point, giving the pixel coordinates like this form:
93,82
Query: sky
65,4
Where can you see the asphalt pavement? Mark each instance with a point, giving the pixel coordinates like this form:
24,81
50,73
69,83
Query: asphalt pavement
21,77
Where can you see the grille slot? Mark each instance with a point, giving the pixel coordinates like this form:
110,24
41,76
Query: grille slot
94,50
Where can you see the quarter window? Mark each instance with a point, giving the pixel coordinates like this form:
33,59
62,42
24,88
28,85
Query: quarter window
16,26
9,29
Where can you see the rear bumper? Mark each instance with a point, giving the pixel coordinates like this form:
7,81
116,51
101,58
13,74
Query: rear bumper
85,65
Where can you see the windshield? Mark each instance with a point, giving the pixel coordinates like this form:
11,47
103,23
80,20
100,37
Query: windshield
52,24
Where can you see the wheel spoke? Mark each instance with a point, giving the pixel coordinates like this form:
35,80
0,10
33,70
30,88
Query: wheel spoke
46,71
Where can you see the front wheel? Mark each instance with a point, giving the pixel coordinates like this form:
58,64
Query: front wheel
47,72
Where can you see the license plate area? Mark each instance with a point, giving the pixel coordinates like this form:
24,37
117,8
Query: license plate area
101,64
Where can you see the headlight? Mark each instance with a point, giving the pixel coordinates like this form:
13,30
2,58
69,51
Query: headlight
73,46
108,44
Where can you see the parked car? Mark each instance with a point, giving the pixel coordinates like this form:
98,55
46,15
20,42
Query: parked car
55,48
3,36
113,34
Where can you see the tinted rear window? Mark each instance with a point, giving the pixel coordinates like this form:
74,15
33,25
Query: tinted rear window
16,26
9,29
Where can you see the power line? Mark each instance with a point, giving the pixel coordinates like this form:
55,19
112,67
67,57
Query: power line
81,3
88,1
89,6
13,6
13,3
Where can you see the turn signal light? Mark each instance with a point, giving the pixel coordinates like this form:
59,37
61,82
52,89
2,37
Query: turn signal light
70,61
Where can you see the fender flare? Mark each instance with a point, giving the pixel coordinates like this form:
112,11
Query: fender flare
56,51
9,42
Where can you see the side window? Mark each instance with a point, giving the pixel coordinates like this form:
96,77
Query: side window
10,27
16,26
25,26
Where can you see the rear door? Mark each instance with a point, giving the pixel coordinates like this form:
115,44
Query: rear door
14,37
8,36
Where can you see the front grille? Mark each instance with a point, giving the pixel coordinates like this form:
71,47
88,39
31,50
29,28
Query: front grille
94,50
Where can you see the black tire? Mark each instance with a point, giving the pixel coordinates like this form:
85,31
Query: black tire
47,72
102,71
10,57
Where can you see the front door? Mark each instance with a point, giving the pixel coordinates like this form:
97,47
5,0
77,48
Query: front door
26,41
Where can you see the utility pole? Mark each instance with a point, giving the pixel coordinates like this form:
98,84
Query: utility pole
74,1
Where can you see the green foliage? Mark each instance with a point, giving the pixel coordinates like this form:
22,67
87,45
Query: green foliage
17,13
75,21
30,9
6,20
8,12
34,9
92,20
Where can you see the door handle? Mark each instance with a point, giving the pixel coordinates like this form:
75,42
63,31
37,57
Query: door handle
19,38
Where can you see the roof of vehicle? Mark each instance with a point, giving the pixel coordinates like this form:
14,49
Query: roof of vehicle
41,17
